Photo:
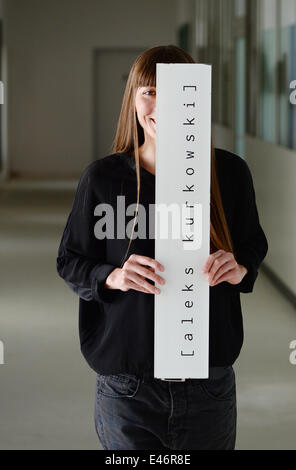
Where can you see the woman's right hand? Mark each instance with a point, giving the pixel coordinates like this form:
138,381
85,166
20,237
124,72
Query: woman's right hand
133,273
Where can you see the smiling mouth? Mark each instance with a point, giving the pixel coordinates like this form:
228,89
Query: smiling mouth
153,120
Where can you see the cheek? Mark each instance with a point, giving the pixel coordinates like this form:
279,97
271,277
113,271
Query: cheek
139,107
143,107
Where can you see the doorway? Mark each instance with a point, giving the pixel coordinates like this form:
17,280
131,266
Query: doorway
110,72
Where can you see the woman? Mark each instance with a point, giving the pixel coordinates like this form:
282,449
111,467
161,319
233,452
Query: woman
114,277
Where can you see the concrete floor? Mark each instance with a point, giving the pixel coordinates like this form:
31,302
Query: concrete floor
46,387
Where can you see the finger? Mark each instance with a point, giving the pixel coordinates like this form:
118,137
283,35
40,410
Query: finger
141,282
218,262
151,269
145,260
225,277
209,262
148,273
226,268
226,264
137,287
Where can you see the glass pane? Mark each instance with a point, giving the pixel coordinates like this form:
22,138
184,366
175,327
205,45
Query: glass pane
268,70
287,72
240,97
253,74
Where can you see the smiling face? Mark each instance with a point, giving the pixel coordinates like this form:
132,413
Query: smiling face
145,103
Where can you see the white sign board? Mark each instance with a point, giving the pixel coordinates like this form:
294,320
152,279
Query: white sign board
182,219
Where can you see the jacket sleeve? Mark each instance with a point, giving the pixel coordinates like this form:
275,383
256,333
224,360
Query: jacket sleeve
249,240
81,260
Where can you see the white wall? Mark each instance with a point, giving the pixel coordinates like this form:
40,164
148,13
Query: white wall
273,169
50,44
3,107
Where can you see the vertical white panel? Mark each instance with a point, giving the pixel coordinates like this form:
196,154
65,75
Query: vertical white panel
200,25
268,13
183,169
288,12
240,8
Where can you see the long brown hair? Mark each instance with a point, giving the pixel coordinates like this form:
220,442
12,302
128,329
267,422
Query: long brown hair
130,135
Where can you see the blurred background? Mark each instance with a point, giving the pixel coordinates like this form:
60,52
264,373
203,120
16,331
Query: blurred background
64,66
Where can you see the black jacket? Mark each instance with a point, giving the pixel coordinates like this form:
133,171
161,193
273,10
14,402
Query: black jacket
117,328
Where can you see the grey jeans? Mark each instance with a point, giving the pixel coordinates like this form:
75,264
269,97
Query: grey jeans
199,414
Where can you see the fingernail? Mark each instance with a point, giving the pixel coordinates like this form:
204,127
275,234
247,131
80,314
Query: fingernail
157,290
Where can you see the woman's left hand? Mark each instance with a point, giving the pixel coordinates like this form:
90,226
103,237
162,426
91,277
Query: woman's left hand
221,266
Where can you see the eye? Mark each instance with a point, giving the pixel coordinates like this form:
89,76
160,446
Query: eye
148,91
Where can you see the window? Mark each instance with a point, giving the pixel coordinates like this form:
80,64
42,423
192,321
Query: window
215,47
269,31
